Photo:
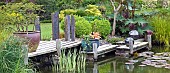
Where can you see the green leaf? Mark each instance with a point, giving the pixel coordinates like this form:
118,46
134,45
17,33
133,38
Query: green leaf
140,31
130,21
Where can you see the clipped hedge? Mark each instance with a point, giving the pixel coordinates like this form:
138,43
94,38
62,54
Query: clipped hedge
82,26
102,26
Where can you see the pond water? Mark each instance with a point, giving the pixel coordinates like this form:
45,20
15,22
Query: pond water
116,64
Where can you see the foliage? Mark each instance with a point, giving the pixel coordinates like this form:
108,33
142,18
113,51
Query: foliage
65,12
82,26
114,40
12,55
4,34
70,62
49,6
18,14
161,29
93,10
102,26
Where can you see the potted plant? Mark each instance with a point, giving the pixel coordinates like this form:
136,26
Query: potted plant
87,42
21,15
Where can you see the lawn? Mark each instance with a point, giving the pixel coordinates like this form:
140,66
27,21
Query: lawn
46,30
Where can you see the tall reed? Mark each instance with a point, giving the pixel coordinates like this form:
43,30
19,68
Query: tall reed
70,62
161,29
12,56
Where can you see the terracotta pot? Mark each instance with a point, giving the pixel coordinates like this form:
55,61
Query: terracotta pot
32,36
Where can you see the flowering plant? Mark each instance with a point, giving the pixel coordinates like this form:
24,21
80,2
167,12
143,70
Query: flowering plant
95,35
19,14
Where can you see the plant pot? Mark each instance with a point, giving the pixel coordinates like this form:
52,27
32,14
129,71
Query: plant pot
32,36
88,47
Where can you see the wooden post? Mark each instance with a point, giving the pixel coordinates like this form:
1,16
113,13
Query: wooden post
114,64
67,28
72,28
58,47
95,50
25,48
55,26
131,45
37,25
149,41
95,69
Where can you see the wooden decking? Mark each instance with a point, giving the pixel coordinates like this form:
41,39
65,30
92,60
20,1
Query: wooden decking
103,49
50,46
135,47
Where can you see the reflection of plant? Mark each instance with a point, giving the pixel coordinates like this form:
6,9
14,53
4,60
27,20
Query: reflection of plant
19,14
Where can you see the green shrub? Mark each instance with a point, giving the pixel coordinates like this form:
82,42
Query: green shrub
82,26
102,26
81,12
12,56
65,12
161,29
93,10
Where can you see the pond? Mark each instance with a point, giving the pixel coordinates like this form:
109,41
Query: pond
116,64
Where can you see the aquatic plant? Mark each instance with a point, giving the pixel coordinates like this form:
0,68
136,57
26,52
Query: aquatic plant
161,29
70,62
12,54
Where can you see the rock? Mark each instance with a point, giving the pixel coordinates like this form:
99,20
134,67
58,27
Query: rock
158,66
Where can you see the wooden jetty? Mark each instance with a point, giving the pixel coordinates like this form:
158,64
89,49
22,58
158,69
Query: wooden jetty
133,47
46,47
103,49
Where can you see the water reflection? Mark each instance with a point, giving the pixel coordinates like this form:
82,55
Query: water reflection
114,64
117,65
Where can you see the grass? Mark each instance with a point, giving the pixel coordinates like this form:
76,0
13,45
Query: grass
12,56
46,30
161,29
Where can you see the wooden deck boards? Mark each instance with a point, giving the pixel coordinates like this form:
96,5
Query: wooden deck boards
136,45
50,46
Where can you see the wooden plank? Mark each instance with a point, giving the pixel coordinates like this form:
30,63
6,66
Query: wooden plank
135,46
72,28
95,50
150,41
131,45
58,47
50,46
37,25
106,48
55,25
67,28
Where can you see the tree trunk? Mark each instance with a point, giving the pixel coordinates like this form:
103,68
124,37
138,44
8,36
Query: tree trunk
114,23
